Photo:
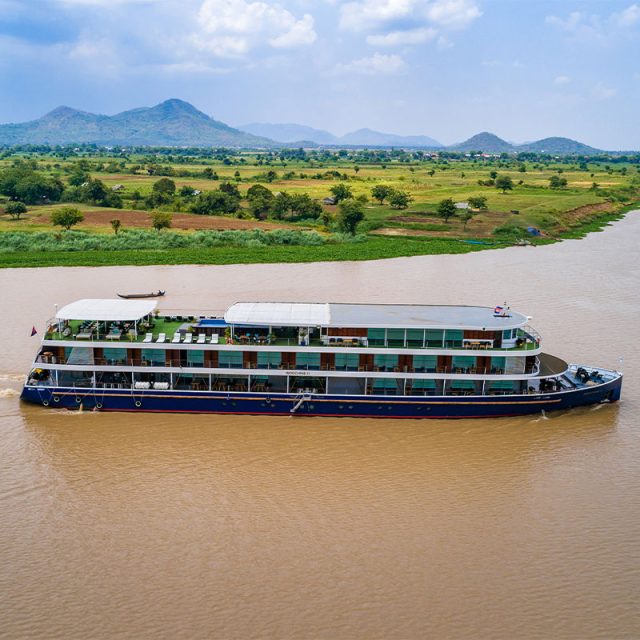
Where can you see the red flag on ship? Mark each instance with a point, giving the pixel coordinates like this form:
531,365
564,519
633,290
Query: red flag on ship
33,331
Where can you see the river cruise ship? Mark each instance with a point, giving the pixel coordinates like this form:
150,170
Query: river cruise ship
307,359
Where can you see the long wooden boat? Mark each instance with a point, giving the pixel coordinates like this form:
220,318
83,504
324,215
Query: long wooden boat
131,296
359,360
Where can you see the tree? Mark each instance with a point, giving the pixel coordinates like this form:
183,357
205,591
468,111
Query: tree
350,213
16,209
186,191
465,216
381,192
165,186
115,225
447,209
493,174
260,200
400,199
23,183
341,192
215,203
160,220
66,217
505,183
78,177
477,202
231,189
556,182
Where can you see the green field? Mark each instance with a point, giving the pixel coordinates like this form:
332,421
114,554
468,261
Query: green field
597,190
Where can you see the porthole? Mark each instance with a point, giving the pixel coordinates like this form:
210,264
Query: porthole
56,398
310,406
350,406
138,403
45,403
340,406
78,399
98,405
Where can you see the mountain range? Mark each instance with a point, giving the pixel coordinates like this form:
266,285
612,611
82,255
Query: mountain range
295,133
170,123
179,124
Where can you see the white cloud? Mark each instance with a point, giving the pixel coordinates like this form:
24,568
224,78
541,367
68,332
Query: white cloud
603,92
377,64
561,80
367,14
398,38
594,28
628,17
231,28
454,14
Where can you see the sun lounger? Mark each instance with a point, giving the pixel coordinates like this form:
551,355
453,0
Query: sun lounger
176,337
148,337
162,337
215,338
188,338
202,337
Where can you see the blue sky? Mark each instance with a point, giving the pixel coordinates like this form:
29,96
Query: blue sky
523,69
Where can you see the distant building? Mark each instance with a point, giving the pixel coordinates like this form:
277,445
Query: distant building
117,187
329,200
462,205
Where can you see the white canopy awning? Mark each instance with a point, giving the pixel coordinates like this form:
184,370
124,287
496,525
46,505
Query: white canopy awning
278,314
107,310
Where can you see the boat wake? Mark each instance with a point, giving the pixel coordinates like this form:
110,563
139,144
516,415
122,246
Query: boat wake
9,393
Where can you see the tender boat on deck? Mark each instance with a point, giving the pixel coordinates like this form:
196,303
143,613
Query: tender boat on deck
307,359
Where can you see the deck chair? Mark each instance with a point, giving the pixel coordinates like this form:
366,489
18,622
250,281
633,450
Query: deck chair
148,337
176,337
188,338
202,337
215,338
162,337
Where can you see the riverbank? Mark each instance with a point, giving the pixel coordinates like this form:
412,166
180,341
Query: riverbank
369,248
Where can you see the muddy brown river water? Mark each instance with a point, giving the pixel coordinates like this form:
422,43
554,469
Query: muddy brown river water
170,526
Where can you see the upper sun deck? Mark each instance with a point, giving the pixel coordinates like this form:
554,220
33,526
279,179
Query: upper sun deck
389,316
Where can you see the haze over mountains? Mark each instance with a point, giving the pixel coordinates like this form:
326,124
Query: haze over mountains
178,123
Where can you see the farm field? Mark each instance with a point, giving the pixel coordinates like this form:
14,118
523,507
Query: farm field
592,192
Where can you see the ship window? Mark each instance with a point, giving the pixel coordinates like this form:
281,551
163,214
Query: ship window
463,362
423,384
453,338
347,361
497,363
308,360
269,359
154,356
195,358
385,361
112,355
395,337
375,336
415,337
80,355
425,363
384,385
509,334
230,359
463,384
434,337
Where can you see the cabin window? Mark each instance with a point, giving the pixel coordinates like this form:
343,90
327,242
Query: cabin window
463,363
421,385
453,337
269,359
434,337
386,386
462,385
424,363
497,364
385,361
80,355
415,337
347,361
509,334
230,359
155,357
395,337
307,360
195,358
114,356
375,337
